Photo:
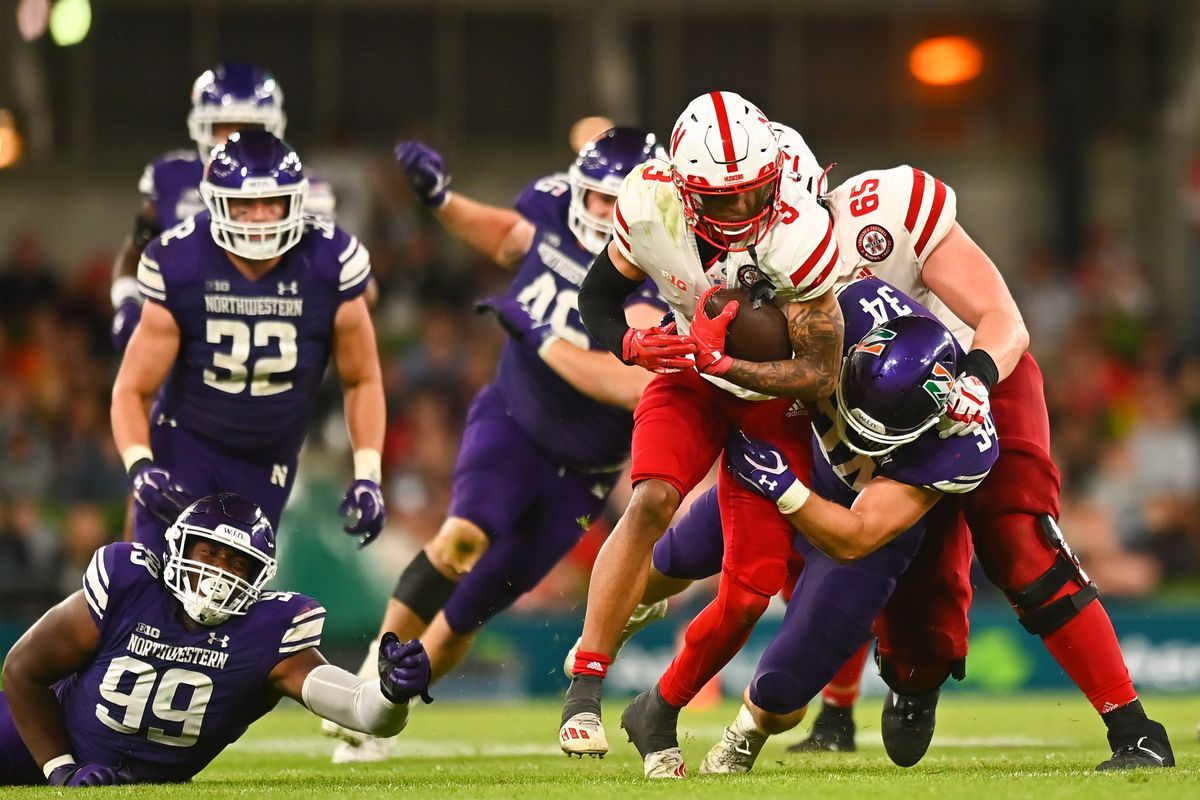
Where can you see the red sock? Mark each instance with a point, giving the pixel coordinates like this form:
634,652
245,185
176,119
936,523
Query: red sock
843,690
591,664
1087,650
712,639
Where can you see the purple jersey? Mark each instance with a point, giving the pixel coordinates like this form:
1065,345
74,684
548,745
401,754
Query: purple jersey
954,465
251,353
170,183
573,429
163,700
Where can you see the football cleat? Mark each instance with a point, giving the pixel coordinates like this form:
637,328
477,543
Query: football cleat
583,735
371,750
651,723
832,731
734,754
642,616
335,731
908,722
1150,748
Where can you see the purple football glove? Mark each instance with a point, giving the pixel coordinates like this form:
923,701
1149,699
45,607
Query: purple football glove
125,319
88,775
759,466
404,670
426,171
515,319
364,502
156,491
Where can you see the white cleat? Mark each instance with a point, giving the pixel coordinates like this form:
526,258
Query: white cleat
734,754
642,616
335,731
583,735
665,764
369,751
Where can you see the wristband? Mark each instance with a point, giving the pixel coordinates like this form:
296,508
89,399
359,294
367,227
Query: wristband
979,364
368,465
125,288
65,760
133,455
793,498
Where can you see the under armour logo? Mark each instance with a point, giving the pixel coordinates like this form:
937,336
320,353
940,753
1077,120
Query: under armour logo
292,288
163,419
213,638
767,482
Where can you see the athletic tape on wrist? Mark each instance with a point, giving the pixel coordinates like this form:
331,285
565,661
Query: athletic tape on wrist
793,498
65,760
368,465
135,453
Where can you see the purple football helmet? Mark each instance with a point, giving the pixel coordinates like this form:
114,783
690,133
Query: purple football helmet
894,384
210,594
234,93
251,164
601,166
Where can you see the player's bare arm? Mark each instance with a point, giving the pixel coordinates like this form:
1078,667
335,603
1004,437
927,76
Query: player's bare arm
815,328
147,362
358,368
963,277
59,644
596,373
880,513
501,234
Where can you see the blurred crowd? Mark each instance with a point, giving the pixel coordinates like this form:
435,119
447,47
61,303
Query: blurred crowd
1123,392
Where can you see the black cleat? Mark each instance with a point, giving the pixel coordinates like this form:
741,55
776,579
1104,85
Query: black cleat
652,725
1149,748
908,722
832,731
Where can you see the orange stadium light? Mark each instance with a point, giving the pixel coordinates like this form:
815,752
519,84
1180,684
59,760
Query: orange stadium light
10,139
945,61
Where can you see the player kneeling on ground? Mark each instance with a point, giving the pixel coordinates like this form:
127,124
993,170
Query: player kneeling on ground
147,672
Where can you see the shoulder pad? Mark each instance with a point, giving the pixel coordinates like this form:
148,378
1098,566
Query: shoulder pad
114,567
647,200
302,618
800,255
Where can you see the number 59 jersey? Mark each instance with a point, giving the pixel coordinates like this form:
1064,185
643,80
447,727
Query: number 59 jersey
251,352
162,700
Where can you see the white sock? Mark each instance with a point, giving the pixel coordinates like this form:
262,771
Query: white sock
744,724
370,665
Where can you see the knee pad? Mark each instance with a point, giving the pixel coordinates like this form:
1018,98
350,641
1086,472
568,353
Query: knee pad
423,588
1039,614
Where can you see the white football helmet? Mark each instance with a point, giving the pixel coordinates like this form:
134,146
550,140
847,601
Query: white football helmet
726,165
799,163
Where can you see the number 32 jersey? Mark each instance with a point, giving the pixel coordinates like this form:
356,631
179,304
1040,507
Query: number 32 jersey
251,352
162,700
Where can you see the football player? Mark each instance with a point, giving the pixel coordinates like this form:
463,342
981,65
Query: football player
544,442
880,467
718,212
899,224
153,668
245,304
229,97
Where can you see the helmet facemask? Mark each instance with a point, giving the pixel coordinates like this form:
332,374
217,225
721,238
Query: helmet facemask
706,208
256,240
593,232
210,594
202,120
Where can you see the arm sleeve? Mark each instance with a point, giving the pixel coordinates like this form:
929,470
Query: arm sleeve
357,703
602,302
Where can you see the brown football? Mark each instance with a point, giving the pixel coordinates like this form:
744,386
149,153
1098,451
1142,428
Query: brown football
756,334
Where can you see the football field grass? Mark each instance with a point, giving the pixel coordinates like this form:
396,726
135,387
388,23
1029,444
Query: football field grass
1032,746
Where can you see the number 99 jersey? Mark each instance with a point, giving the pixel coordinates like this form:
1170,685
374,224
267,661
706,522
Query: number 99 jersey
162,700
252,352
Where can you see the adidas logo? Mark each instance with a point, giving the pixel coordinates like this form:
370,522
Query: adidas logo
596,665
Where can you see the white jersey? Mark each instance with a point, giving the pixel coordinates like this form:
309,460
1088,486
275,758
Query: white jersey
799,255
887,222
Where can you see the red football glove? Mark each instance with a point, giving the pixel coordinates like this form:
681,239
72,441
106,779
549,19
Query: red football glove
658,349
708,335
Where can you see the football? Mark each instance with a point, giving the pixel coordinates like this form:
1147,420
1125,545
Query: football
756,334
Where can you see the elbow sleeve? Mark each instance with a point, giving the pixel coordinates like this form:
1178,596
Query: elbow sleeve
602,302
357,703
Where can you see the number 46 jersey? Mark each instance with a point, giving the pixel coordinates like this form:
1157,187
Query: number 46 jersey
162,700
252,352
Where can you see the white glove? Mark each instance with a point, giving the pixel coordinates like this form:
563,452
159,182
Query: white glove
967,407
